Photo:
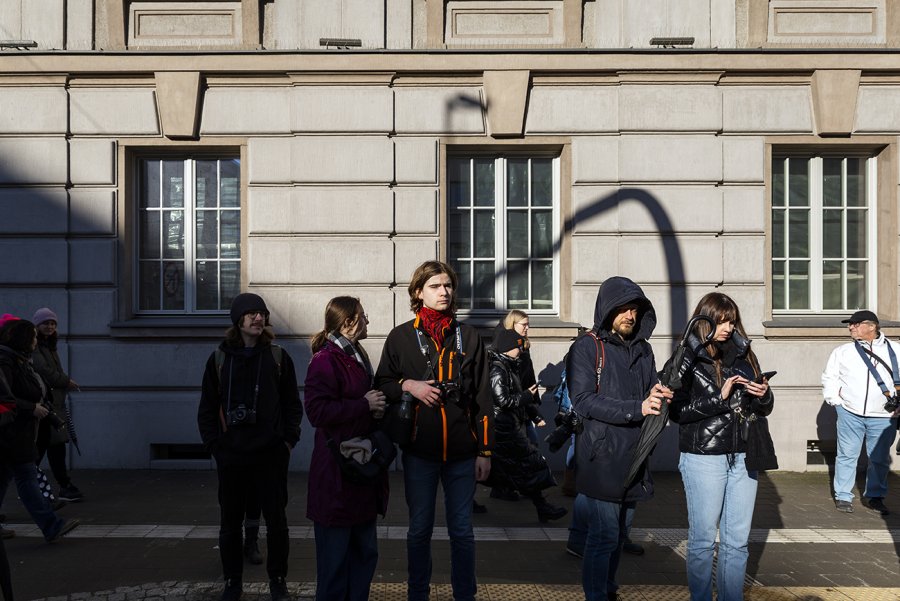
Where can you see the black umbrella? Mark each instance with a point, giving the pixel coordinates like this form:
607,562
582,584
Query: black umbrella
70,425
670,377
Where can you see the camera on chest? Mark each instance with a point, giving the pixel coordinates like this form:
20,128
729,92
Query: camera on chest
892,403
450,392
241,415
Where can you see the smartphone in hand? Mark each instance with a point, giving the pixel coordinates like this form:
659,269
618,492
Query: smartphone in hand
766,375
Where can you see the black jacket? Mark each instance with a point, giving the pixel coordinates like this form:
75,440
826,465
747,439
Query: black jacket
451,431
612,415
709,425
278,408
516,462
24,386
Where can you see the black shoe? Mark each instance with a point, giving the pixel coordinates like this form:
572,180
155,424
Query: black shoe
251,551
547,512
232,591
844,506
632,548
478,507
504,494
278,589
575,552
70,494
876,506
66,528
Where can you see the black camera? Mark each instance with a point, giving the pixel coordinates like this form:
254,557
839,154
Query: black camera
892,404
241,415
450,392
54,420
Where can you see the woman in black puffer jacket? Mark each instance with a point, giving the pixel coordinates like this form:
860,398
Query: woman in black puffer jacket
720,391
516,463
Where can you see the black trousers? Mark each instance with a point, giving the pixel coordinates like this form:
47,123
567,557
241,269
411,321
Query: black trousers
5,578
266,476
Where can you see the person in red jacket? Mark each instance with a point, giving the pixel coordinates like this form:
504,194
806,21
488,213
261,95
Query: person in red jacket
341,404
441,366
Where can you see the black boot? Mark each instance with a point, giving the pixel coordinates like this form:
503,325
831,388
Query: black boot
251,546
278,589
232,591
546,511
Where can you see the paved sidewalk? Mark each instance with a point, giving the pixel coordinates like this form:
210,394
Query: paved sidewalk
152,535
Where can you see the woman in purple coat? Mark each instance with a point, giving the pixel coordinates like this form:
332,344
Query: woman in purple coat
341,403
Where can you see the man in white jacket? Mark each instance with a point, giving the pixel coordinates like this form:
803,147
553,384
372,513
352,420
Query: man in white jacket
860,377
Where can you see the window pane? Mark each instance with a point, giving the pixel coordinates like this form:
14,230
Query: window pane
541,182
458,182
856,182
207,281
458,234
150,192
856,233
173,234
778,166
542,285
798,284
207,235
149,233
517,285
778,233
798,183
230,276
857,298
798,234
173,285
484,285
542,234
778,290
230,183
832,237
517,234
484,234
230,236
173,184
832,288
517,182
464,294
206,185
831,182
484,182
148,282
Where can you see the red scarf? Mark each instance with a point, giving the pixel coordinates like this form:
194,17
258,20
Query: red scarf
435,323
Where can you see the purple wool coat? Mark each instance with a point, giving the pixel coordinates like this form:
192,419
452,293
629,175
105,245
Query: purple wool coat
336,406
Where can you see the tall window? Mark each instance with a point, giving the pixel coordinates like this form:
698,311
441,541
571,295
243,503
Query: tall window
189,235
823,247
503,212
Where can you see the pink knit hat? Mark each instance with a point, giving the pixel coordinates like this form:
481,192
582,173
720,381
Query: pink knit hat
7,317
42,315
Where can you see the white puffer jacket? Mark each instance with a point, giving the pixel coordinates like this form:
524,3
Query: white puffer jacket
847,382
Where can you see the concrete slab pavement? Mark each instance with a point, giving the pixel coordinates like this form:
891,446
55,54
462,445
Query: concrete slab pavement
153,535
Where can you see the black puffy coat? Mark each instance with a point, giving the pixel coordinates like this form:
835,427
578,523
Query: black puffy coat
516,462
709,425
17,444
612,416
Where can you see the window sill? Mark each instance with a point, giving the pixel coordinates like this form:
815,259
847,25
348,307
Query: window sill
540,326
816,326
171,326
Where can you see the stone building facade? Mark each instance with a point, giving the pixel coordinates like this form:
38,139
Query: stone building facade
156,157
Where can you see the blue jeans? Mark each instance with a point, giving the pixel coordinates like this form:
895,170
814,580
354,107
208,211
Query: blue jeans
719,497
879,433
581,516
607,528
345,561
421,477
25,475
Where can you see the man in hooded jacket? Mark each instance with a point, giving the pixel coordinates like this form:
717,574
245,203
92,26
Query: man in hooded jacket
612,381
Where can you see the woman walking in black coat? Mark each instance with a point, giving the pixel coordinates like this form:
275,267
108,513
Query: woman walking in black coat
517,464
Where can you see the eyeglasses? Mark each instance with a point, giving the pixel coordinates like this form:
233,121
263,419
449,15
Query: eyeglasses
255,314
860,323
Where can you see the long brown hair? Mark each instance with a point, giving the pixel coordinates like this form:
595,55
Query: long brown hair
721,308
338,311
425,272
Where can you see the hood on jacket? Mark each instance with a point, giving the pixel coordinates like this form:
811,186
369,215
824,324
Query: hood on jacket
615,292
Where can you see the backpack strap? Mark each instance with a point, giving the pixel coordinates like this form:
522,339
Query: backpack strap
278,355
220,362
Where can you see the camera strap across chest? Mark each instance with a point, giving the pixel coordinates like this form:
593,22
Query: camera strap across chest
423,346
865,353
601,357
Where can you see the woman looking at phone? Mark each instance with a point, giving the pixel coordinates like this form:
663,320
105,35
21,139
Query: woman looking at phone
722,393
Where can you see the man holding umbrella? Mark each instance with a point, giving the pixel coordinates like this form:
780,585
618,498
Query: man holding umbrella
613,385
